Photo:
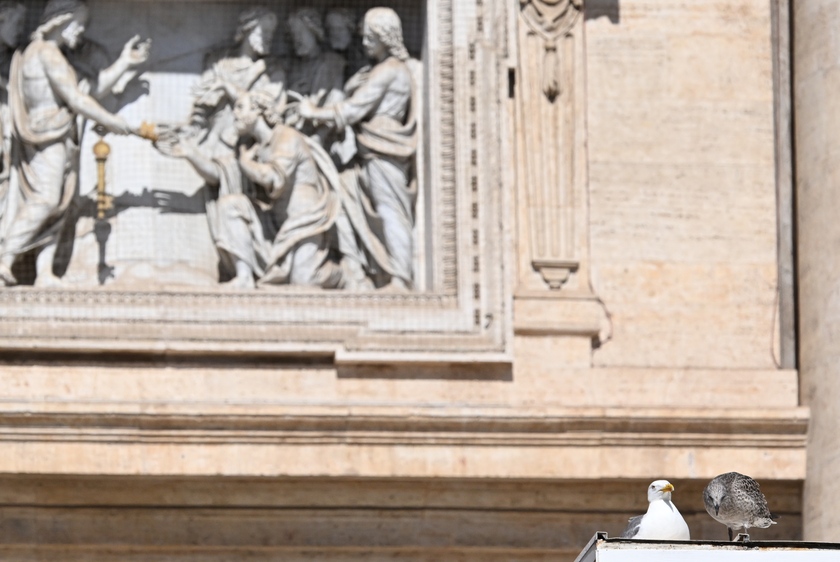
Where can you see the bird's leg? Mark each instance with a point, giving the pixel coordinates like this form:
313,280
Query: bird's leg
731,538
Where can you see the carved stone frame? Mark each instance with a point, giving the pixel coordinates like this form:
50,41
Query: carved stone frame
466,315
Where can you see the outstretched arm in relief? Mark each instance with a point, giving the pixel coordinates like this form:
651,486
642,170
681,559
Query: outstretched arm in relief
367,95
177,147
63,81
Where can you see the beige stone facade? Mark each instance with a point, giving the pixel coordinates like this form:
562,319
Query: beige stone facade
608,301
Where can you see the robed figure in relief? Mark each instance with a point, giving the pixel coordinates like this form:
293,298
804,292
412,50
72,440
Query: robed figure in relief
378,190
273,221
46,102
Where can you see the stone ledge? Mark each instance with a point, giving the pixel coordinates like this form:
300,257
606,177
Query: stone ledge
103,553
406,460
465,495
789,423
404,442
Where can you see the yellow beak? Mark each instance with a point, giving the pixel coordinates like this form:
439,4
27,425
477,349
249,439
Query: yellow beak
668,487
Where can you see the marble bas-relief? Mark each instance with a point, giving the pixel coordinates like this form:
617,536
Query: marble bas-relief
209,140
308,160
340,25
292,202
45,100
316,69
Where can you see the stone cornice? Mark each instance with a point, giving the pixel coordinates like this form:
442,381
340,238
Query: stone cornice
573,427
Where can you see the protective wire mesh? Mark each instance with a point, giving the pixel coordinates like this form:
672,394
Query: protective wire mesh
158,232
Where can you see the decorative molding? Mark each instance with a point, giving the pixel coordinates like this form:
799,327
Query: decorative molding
552,191
551,20
571,439
261,553
446,105
785,428
101,438
551,111
555,271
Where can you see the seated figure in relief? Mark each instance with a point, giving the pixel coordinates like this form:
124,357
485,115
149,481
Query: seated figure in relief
378,188
276,226
45,99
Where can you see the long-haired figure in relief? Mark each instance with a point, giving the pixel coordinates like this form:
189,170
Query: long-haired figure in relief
378,189
45,99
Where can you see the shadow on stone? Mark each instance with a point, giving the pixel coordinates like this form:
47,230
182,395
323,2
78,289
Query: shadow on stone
487,372
609,9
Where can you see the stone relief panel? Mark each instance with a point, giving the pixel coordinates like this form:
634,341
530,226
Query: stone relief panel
311,186
311,165
322,182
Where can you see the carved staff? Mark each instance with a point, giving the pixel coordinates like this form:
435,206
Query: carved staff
104,202
102,228
101,150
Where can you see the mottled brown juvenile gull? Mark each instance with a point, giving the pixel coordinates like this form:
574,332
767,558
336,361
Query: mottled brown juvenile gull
735,500
662,520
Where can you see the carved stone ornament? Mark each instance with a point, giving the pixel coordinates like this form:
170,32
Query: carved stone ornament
553,180
551,20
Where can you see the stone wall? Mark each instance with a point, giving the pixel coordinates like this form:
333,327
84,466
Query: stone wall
682,184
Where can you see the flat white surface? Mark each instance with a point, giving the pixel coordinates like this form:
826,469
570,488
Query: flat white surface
711,553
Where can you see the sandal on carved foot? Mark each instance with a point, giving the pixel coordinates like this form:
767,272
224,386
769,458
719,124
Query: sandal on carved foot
6,277
240,283
48,280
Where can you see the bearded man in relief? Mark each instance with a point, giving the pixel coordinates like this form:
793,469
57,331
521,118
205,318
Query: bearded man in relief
45,99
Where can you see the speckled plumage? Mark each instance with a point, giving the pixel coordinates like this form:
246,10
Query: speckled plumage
736,501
